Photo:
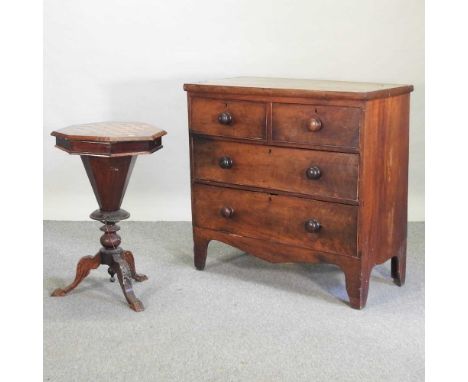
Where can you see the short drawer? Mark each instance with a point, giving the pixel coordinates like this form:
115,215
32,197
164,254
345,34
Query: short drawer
321,226
310,172
235,119
311,125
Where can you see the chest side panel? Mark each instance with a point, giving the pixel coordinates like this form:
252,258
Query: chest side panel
383,188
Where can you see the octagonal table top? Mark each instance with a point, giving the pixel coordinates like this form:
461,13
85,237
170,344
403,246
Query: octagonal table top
110,132
109,138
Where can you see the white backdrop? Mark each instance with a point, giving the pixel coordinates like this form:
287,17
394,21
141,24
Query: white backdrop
128,59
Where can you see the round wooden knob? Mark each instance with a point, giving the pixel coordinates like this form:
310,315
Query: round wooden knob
312,226
227,212
313,172
314,124
225,162
225,118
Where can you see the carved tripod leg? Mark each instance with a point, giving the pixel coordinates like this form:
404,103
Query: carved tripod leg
398,266
85,265
128,257
200,250
122,269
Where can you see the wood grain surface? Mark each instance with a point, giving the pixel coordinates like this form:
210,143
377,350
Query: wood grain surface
278,168
278,218
289,87
248,118
327,183
339,126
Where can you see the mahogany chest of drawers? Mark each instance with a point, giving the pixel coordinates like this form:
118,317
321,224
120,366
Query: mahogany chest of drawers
302,171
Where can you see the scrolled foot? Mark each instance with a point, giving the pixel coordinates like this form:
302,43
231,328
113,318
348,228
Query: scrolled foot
137,306
128,256
122,268
85,265
59,292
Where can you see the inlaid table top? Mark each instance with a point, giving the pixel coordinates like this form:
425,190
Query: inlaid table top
109,138
111,132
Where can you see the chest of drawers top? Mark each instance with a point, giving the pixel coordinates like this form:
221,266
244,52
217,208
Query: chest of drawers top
288,87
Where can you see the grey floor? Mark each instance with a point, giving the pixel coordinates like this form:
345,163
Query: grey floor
242,319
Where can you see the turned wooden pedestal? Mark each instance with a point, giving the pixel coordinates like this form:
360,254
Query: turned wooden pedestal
108,151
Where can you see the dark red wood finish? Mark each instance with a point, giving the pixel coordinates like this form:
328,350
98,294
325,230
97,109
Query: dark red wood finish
278,168
238,119
277,218
109,171
316,125
327,184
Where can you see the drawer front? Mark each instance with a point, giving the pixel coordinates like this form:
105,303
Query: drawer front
321,226
236,119
309,172
316,125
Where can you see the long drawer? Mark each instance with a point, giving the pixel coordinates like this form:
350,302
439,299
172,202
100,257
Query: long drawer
321,226
309,172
